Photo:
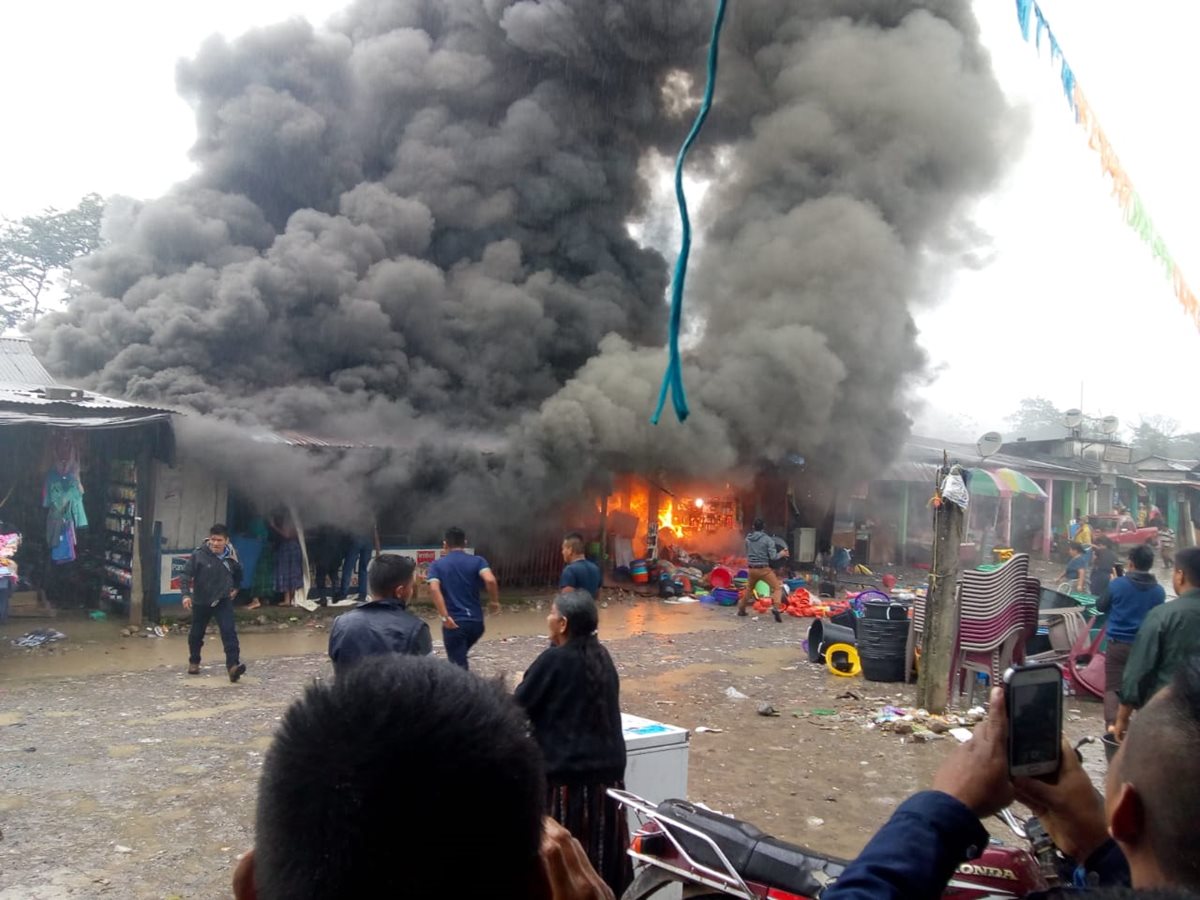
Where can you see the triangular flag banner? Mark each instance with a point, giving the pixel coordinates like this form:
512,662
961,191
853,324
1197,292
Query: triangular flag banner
1033,24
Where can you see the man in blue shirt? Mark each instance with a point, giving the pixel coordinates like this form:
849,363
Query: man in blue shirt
579,573
383,625
454,581
1127,600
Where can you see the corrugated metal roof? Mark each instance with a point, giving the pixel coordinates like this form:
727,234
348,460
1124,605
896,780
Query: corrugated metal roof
35,397
922,449
18,365
47,417
1164,464
301,439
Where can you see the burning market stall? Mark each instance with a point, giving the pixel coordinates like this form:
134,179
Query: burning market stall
79,488
643,522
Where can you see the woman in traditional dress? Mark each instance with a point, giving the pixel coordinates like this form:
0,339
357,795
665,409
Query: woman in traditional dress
289,559
572,696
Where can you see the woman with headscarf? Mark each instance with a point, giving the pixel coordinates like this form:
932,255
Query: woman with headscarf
571,694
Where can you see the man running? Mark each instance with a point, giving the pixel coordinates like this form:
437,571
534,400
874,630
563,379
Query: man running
761,551
454,581
210,581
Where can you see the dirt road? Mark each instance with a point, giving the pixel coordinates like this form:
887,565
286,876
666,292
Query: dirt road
123,777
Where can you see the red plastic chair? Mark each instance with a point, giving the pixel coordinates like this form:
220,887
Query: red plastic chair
1085,665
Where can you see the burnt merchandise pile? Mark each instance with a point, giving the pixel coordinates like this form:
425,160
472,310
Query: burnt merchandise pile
412,228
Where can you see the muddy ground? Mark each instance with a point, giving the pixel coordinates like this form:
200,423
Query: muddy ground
121,776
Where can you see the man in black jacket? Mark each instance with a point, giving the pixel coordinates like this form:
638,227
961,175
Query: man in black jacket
210,581
383,624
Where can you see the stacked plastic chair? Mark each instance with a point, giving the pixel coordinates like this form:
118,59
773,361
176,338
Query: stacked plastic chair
998,612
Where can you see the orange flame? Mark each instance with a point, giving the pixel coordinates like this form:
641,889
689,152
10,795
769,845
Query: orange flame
667,521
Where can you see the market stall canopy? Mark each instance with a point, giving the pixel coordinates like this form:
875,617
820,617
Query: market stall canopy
1003,483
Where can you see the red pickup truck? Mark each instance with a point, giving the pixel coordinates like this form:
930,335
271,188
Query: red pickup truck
1121,530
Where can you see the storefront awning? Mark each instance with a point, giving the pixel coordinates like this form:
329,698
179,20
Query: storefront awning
1003,483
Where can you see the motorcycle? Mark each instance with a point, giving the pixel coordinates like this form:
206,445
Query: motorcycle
710,855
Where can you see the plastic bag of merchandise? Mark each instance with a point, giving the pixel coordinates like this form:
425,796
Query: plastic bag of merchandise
954,489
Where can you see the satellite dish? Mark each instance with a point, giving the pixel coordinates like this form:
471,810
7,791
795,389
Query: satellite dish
1110,424
990,444
1073,418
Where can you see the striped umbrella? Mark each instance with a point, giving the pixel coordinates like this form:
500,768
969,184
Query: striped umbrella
1004,483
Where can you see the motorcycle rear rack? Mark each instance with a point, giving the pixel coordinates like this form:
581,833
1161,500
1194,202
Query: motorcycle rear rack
729,881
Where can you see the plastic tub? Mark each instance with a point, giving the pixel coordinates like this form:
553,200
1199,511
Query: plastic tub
720,577
725,596
882,646
879,610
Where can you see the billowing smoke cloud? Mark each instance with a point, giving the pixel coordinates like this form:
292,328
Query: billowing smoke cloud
412,229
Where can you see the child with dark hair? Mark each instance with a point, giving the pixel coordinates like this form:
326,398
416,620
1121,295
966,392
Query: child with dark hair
383,624
407,777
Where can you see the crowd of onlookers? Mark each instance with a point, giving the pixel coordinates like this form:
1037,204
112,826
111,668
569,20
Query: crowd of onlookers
407,775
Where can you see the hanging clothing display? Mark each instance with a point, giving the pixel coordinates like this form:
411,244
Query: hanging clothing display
62,495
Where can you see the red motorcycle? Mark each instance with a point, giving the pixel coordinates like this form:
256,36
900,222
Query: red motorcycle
710,855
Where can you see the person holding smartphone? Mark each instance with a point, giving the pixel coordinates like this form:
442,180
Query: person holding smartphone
1140,833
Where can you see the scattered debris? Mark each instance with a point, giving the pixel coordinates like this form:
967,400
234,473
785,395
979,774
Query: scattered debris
37,637
848,695
766,709
120,848
734,694
814,822
704,729
924,737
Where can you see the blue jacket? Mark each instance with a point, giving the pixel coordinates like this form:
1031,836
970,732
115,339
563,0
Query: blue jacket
375,628
927,838
1128,601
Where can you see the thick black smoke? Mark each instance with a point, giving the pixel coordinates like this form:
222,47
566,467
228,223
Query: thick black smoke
413,229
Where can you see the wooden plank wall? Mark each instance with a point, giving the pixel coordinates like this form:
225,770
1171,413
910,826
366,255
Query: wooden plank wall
189,499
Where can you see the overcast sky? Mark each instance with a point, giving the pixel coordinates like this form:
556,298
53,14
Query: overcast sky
1069,303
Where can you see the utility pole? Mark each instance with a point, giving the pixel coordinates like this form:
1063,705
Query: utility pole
941,606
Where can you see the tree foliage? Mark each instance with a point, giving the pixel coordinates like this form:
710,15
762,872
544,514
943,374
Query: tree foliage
1036,414
36,253
1155,436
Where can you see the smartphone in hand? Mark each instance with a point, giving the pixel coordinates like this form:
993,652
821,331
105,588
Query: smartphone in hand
1033,696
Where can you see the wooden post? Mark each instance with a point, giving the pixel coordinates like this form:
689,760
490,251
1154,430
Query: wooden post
941,612
135,586
1185,534
603,561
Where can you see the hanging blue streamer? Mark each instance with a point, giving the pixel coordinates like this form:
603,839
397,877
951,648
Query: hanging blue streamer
1027,9
673,377
1024,8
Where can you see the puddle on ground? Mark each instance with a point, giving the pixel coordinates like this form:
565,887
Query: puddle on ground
762,661
94,648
